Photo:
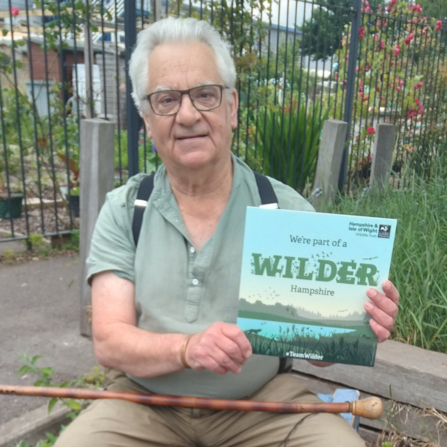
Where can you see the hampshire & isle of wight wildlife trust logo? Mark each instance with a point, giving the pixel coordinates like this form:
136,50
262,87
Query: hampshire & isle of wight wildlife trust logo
384,231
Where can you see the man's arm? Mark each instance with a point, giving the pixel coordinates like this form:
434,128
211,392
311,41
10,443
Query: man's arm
120,344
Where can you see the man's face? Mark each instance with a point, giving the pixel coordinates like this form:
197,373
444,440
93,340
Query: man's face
189,139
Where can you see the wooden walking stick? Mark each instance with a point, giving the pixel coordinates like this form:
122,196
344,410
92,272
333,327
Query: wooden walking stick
370,408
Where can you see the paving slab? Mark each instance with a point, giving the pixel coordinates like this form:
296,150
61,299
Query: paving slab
39,312
15,246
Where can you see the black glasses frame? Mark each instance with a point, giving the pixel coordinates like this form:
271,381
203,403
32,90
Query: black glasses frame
186,92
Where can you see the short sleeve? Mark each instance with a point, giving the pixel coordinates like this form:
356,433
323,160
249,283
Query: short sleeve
112,246
288,198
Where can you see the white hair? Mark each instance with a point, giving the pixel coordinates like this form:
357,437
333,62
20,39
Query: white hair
177,30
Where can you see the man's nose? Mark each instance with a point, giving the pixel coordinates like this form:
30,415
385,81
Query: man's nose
187,113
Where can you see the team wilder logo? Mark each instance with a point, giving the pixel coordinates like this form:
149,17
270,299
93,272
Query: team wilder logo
384,231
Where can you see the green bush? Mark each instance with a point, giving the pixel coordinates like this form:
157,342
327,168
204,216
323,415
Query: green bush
45,377
289,140
148,161
73,244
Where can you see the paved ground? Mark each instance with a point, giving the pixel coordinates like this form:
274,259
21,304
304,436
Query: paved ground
39,312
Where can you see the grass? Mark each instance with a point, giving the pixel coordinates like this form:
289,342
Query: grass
419,264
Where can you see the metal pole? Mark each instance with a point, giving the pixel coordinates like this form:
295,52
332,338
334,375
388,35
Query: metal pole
88,64
350,90
133,119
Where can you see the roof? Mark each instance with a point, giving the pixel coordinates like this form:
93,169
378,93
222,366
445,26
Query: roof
285,29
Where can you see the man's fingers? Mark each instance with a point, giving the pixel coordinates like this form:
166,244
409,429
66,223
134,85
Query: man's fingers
382,333
383,303
217,361
383,309
380,317
226,362
220,348
391,291
215,366
236,335
232,350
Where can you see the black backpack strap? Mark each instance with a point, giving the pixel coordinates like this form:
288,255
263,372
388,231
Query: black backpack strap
285,365
268,196
144,192
268,199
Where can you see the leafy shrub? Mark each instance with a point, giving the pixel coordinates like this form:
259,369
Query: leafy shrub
289,140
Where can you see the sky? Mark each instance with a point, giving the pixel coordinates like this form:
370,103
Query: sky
279,9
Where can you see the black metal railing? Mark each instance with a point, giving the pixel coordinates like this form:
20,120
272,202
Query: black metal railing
61,62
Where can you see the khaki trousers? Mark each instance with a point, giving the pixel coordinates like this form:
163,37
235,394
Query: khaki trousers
115,423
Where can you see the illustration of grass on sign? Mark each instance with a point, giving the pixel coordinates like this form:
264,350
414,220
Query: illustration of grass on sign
337,348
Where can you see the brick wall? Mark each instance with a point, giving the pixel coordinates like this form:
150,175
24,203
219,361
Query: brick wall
39,68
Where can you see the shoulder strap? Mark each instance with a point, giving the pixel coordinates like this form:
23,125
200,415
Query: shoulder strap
268,196
144,192
268,199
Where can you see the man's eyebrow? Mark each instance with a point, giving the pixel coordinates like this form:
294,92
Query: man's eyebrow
161,88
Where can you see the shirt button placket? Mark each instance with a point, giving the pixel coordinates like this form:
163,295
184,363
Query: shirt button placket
194,290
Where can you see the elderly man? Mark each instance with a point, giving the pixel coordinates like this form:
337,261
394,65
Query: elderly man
164,310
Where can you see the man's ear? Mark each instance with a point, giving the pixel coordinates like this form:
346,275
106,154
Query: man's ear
233,108
147,124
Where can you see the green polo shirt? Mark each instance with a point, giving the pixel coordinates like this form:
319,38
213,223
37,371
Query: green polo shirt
180,290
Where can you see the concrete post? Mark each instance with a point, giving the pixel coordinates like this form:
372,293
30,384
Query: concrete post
158,6
329,160
96,180
382,155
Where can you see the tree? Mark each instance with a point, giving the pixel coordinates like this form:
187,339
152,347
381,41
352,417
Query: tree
322,33
283,60
436,9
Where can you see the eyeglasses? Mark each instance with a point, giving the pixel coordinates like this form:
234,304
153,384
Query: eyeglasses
203,98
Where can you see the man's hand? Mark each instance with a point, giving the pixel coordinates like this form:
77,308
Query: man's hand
383,309
220,348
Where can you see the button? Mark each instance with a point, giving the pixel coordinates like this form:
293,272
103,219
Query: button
192,249
195,282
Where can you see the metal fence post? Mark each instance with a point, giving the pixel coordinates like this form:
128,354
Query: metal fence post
133,119
349,101
88,64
